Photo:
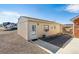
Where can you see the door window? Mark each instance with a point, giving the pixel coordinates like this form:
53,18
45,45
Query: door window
33,29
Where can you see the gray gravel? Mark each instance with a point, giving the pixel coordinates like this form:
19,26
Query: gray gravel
12,43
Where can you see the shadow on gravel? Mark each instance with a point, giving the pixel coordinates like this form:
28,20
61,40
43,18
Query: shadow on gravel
11,29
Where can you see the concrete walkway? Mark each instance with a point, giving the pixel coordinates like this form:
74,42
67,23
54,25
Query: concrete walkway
70,47
50,48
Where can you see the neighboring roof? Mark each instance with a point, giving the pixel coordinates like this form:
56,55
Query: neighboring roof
68,25
75,18
36,19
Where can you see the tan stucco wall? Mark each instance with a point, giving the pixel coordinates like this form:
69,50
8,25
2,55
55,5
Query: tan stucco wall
23,29
52,31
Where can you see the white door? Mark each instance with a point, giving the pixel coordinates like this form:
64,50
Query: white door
33,31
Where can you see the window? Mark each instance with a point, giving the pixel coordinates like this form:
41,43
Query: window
33,27
46,28
53,27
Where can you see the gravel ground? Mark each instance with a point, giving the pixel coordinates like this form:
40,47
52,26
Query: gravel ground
59,40
12,43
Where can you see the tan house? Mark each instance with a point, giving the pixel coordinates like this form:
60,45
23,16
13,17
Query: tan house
33,28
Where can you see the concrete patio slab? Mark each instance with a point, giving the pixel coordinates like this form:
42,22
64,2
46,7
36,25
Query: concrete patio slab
71,48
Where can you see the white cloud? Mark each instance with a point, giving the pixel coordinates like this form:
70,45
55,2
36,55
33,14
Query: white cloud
9,16
10,13
73,8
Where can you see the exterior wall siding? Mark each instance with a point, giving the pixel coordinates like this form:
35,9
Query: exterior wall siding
76,31
76,28
23,29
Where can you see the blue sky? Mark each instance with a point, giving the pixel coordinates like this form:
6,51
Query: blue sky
61,13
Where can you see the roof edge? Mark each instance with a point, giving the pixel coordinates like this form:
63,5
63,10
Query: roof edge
39,19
